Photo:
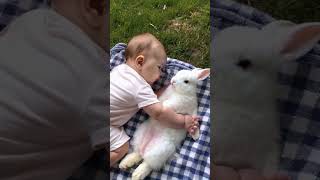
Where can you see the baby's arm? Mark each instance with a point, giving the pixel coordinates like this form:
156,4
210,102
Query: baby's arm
170,118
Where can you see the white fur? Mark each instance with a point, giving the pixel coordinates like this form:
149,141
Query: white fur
182,98
245,121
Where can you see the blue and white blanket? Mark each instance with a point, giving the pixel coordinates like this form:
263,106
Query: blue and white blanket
192,160
10,9
300,104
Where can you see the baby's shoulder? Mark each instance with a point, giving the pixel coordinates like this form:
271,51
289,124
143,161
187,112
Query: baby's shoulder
124,74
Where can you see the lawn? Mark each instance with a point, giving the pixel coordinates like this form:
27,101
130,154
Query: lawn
297,11
183,26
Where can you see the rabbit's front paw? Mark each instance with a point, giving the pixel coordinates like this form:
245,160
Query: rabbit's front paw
130,160
141,172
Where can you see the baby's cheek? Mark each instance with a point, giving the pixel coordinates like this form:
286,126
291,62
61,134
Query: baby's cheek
155,78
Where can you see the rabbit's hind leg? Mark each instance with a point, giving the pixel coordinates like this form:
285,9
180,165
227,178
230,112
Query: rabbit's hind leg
158,153
130,160
140,134
141,172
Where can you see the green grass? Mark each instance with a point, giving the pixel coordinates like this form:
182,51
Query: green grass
297,11
183,26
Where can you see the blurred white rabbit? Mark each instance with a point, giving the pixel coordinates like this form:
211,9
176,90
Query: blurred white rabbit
246,61
154,143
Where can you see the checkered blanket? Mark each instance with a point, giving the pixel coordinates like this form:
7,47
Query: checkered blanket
192,160
9,9
300,104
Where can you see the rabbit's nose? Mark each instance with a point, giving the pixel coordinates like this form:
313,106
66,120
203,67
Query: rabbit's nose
173,82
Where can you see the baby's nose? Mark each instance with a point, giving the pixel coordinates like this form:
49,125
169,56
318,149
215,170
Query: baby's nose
158,78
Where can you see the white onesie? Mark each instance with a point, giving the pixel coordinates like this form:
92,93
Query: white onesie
129,92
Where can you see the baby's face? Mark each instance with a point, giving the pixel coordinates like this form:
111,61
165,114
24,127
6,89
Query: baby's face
153,67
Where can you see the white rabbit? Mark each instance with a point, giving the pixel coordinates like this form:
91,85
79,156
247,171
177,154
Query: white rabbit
154,143
246,60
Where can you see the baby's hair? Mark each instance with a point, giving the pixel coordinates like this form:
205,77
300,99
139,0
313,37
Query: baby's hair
99,5
139,44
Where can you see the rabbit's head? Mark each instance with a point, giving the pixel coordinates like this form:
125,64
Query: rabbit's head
246,59
185,81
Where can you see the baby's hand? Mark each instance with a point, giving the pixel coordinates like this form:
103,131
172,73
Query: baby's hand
191,124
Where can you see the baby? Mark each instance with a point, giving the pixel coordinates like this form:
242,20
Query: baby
130,90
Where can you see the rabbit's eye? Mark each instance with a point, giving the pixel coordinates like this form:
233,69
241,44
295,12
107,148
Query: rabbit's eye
244,63
186,81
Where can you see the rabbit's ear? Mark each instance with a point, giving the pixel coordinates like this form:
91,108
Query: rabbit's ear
299,40
201,74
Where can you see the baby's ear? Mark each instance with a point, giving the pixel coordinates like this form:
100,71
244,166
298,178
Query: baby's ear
201,74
